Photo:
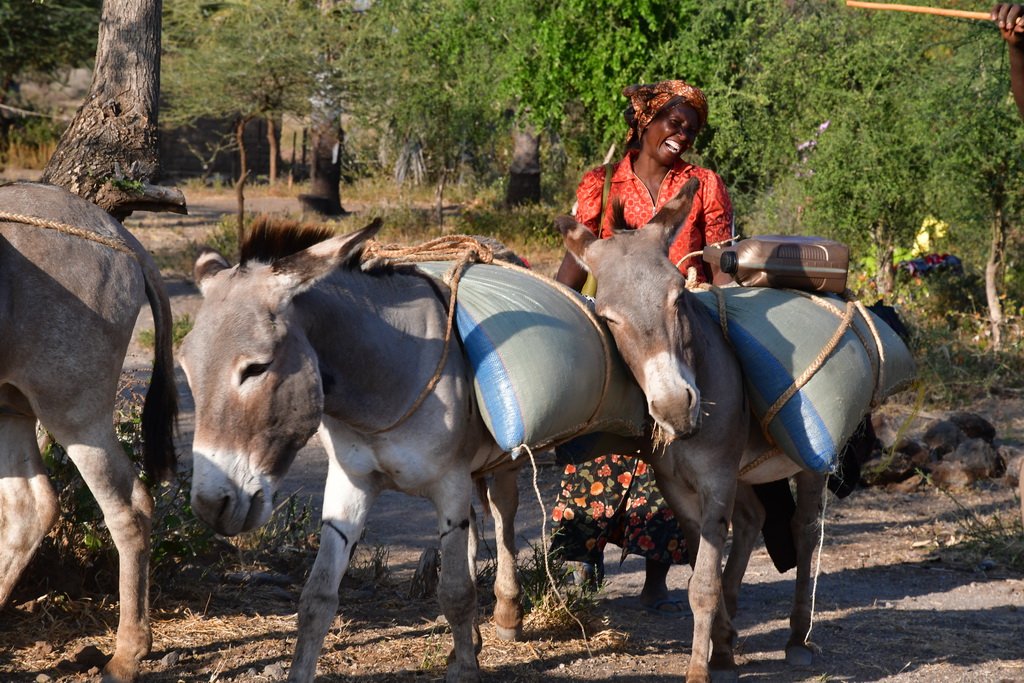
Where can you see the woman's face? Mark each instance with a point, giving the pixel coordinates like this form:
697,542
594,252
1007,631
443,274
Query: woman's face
670,133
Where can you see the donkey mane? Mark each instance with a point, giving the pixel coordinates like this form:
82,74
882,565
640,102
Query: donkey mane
271,238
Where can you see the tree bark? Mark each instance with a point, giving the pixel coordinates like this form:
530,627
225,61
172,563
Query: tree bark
883,257
325,176
524,174
109,154
243,157
993,272
275,150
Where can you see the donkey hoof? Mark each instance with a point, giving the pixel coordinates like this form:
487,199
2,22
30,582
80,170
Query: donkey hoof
799,655
507,633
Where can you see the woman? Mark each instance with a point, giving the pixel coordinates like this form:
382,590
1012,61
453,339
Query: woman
664,120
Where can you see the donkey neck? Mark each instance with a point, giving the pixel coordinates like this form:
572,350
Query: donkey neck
378,340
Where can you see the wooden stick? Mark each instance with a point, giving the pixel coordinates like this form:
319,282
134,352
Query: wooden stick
922,10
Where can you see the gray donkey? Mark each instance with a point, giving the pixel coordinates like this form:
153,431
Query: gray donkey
72,282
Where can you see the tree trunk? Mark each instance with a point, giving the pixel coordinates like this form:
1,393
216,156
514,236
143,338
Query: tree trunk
275,150
439,195
993,271
243,157
325,176
883,257
524,174
109,153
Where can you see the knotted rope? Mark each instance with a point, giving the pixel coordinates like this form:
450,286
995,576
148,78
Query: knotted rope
463,250
846,316
112,242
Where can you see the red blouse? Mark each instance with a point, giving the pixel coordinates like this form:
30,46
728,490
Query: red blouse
710,218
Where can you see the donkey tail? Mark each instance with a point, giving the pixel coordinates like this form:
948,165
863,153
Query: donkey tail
160,412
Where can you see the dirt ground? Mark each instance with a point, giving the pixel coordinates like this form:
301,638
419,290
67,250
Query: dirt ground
899,595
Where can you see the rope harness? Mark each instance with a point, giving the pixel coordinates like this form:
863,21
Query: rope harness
463,250
112,242
846,317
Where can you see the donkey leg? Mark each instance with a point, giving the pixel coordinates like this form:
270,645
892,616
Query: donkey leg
508,610
347,501
809,489
28,506
747,517
705,519
127,508
456,591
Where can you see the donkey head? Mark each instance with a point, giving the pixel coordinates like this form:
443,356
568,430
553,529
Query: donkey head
254,377
642,297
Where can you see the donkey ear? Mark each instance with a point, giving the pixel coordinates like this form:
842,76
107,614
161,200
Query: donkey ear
575,235
208,263
301,271
673,215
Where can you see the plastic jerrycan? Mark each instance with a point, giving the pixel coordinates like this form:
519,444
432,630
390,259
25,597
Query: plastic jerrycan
793,261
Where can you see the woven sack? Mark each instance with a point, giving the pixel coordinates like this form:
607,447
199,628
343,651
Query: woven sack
777,335
539,360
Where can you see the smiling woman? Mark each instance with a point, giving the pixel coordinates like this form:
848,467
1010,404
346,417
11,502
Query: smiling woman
614,498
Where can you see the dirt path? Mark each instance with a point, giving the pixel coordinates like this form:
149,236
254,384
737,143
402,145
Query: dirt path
894,600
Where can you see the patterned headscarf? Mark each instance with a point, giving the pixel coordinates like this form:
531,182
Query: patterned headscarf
646,101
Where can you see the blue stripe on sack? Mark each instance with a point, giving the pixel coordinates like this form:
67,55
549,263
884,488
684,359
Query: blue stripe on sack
798,417
493,381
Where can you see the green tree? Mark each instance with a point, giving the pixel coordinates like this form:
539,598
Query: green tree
569,61
240,60
432,97
39,38
978,184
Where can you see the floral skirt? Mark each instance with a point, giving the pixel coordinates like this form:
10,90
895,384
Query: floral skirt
591,511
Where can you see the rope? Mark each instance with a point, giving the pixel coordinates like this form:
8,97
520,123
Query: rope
813,368
112,242
853,306
562,602
463,250
817,566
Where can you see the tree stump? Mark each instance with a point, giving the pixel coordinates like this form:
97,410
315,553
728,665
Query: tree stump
428,569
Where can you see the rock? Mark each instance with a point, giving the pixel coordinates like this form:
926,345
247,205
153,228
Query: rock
170,659
974,426
83,659
274,672
43,647
44,678
1013,460
943,437
89,656
424,580
918,453
907,485
977,457
886,469
887,431
950,473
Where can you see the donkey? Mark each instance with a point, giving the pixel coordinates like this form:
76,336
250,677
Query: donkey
300,339
694,389
72,282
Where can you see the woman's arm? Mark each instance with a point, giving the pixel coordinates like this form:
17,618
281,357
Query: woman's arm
1010,17
571,273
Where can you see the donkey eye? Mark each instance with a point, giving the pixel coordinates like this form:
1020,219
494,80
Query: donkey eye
254,370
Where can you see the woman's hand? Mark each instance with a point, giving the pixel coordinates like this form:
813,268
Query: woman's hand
1010,18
